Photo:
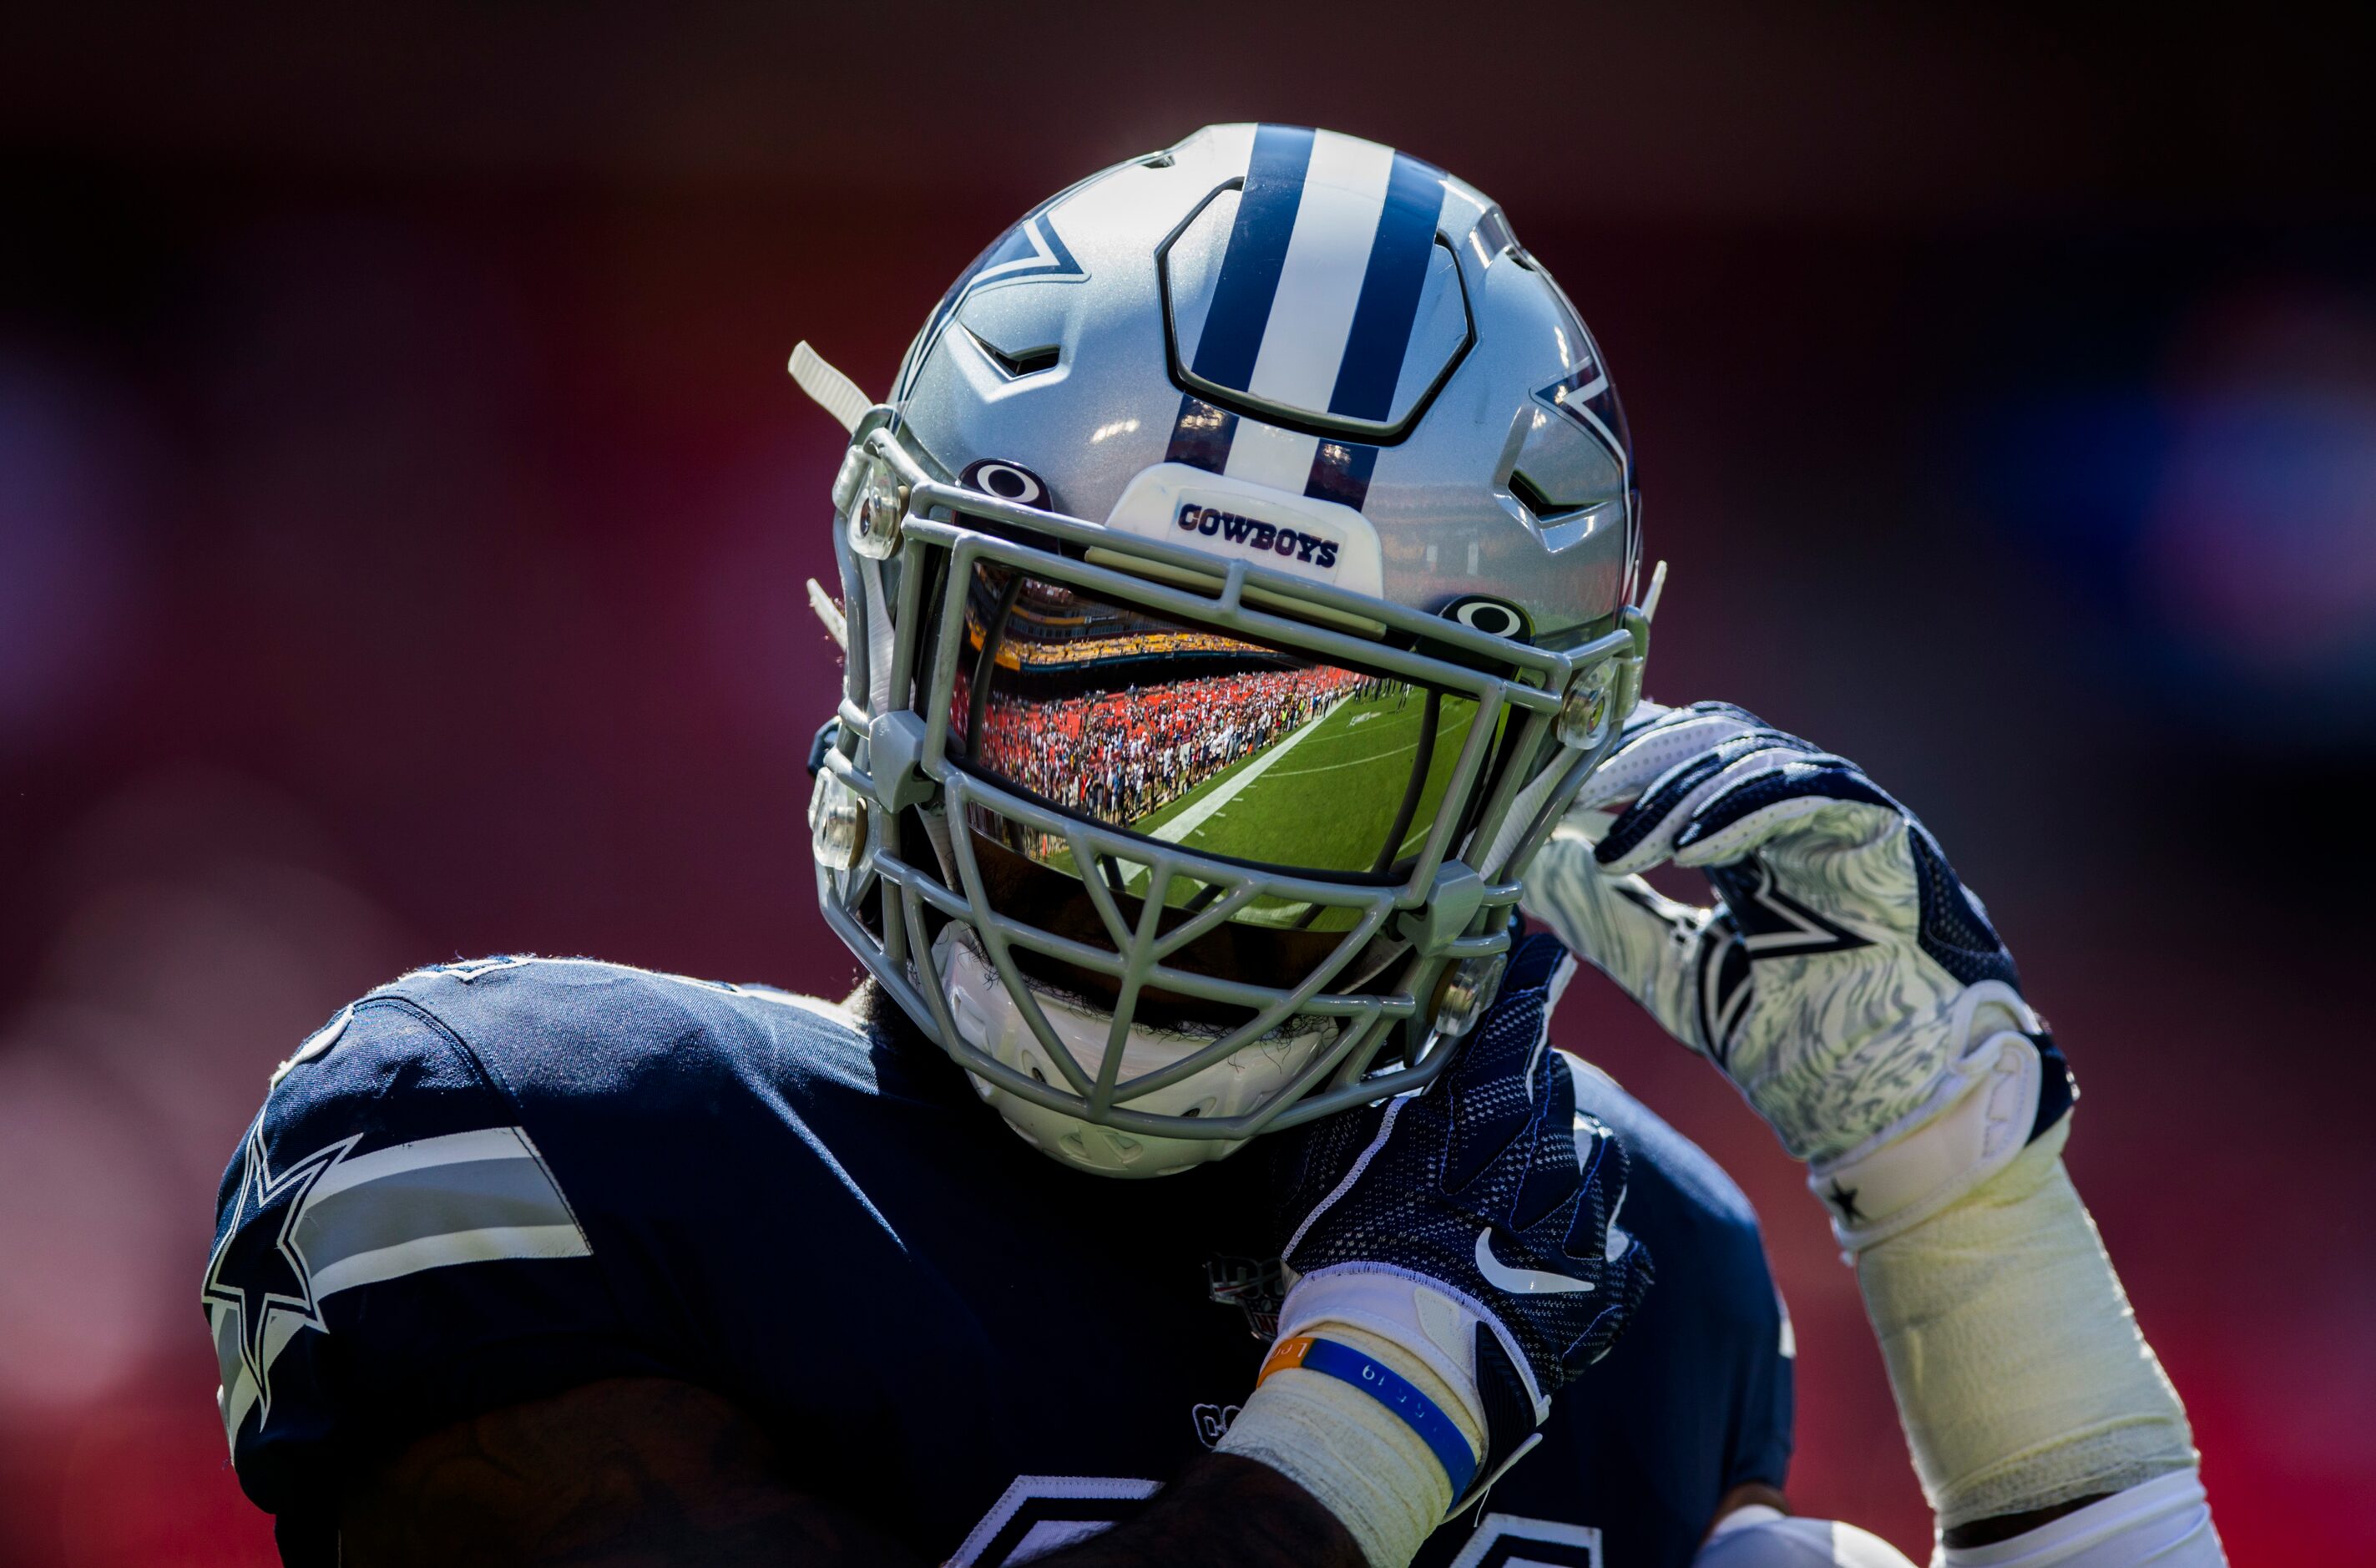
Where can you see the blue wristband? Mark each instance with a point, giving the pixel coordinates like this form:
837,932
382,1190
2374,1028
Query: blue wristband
1389,1388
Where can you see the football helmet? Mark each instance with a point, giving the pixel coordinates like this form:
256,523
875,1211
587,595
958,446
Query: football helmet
1237,585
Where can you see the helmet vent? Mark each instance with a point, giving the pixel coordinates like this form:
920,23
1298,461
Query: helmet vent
1017,365
1534,501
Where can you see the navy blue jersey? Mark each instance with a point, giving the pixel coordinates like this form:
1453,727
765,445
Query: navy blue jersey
492,1182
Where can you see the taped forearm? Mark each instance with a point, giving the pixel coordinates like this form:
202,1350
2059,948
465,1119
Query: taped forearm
2020,1375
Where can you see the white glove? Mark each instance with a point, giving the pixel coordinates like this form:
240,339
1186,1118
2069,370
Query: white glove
1844,979
1855,992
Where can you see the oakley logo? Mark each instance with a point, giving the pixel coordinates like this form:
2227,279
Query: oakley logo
1257,536
1008,482
1494,617
1520,1281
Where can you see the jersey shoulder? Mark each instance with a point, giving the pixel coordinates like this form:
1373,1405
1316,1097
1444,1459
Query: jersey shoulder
557,1029
1714,1335
551,1048
1702,1207
553,1031
430,1216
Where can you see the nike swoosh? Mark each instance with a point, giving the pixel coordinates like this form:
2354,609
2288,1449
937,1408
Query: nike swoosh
1520,1281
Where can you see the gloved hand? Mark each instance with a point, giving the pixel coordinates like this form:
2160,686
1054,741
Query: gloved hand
1844,979
1471,1224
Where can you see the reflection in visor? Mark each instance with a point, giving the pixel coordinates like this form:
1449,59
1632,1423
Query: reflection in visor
1195,738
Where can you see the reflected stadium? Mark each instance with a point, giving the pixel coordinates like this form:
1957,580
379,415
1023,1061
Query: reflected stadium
1187,736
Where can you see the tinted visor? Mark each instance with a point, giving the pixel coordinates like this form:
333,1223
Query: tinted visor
1192,737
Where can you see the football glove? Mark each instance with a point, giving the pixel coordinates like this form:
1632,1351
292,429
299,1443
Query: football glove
1471,1223
1844,979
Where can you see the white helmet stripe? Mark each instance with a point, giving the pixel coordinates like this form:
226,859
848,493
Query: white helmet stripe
1310,317
1266,454
1314,306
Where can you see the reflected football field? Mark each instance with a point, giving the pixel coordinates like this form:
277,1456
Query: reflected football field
1326,798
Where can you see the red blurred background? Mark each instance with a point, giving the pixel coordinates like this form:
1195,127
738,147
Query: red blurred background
403,512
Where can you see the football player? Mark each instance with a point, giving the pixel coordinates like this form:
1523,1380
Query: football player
1855,992
1239,583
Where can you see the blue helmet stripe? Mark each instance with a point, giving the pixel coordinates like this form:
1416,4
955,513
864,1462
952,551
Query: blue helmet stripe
1340,473
1388,308
1201,434
1257,249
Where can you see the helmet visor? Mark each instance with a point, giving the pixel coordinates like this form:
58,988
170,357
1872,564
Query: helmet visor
1193,737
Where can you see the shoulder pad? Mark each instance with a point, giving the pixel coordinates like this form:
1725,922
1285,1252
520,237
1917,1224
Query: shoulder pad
380,1152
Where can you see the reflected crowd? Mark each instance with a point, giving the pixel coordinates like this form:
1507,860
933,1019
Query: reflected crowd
1119,756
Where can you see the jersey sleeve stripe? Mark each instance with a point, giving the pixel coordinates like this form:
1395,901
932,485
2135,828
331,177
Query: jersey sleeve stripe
479,1196
476,1194
466,1197
454,1148
485,1245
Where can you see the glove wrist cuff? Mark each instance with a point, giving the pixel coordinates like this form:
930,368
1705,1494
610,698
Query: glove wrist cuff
1985,1114
1433,1330
1439,1340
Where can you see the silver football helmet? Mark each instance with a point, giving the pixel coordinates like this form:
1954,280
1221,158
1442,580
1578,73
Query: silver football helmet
1237,585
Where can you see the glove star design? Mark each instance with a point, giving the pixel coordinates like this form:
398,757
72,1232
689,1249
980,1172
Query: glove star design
1845,977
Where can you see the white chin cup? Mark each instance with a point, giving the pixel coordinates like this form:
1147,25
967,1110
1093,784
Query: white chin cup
991,1022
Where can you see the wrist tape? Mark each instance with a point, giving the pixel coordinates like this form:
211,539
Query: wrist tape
2019,1372
1371,1377
1359,1458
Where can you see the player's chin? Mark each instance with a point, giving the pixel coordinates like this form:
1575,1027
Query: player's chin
1267,956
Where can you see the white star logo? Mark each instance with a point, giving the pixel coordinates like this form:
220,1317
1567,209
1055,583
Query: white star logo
259,1271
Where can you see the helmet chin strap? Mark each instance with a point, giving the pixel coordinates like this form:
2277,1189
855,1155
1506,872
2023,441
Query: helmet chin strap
835,393
881,637
829,614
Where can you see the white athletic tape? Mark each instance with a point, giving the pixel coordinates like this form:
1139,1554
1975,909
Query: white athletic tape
1364,1462
2019,1372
